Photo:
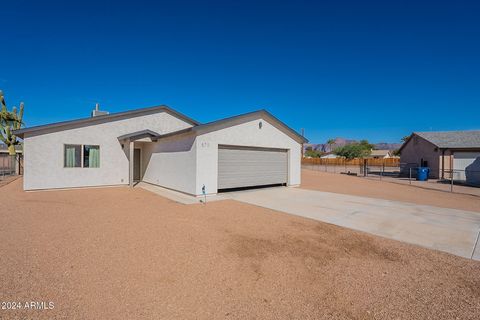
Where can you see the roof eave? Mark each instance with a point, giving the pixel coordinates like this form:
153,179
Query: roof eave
207,126
139,135
136,112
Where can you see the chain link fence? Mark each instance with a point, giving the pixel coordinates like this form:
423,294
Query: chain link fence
393,170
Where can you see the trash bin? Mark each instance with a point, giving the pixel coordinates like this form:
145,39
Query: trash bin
422,173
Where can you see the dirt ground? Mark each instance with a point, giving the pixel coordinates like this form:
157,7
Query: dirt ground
116,253
340,183
7,180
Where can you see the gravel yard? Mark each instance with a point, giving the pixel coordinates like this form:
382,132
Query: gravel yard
116,253
340,183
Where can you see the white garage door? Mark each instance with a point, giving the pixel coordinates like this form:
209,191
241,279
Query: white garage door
247,167
468,166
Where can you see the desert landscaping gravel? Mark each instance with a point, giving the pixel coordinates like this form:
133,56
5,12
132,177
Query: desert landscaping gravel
116,253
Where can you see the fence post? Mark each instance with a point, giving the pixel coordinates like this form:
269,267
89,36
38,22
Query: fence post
451,183
410,176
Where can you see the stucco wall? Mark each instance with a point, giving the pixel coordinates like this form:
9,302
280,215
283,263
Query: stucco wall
418,148
44,158
171,163
246,134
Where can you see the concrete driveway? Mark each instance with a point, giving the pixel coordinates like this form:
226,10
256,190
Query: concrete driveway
449,230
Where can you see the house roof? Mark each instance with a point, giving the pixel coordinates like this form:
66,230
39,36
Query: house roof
140,135
235,120
450,139
197,127
330,156
104,118
379,153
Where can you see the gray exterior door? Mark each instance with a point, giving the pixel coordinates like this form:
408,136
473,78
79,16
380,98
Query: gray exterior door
136,164
247,167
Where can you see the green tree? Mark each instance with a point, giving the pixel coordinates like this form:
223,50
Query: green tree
355,150
9,121
313,153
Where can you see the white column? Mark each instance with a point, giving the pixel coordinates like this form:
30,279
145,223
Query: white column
130,164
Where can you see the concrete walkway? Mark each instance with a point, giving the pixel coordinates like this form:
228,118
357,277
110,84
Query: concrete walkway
180,197
449,230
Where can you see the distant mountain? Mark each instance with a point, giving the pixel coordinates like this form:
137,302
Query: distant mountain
340,142
387,146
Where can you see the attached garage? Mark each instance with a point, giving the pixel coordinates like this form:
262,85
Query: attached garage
467,167
240,167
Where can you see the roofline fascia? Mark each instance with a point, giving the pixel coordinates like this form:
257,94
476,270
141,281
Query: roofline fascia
109,117
203,128
410,138
139,135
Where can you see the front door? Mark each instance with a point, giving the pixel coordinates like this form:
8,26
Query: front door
136,164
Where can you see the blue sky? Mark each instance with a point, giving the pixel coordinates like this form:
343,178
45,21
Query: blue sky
356,69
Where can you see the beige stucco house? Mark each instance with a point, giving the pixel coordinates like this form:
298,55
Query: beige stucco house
443,152
381,154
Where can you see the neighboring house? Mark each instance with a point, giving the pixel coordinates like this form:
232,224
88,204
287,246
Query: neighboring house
160,146
330,156
444,151
4,149
381,154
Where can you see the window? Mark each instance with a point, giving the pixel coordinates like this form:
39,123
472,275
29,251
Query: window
91,156
423,163
73,156
77,156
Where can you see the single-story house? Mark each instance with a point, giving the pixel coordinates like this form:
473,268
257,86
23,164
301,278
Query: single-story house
381,154
161,146
4,149
444,151
330,156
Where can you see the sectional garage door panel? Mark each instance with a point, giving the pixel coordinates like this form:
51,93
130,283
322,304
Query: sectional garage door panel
468,166
248,167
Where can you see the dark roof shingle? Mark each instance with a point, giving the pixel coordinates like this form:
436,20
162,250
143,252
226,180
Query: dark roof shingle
452,139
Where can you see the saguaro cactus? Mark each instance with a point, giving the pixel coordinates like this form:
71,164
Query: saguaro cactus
9,121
